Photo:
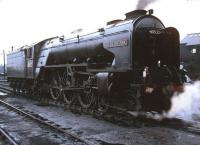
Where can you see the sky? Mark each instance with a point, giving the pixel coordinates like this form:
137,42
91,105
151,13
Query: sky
27,21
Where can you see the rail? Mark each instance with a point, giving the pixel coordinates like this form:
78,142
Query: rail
8,137
47,123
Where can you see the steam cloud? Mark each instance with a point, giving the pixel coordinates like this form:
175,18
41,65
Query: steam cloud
143,3
187,104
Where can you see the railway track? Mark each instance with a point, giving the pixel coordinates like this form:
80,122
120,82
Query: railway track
8,139
38,119
46,123
3,80
4,87
145,118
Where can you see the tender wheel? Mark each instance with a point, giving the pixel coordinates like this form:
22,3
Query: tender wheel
18,87
87,99
14,86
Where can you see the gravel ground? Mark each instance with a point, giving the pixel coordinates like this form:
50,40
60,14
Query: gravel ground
106,133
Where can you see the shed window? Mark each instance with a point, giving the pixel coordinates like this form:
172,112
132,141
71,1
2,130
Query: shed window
193,50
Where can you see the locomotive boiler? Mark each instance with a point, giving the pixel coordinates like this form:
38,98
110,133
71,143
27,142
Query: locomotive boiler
131,63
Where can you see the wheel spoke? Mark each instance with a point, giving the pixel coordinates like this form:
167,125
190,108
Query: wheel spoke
55,90
54,93
69,98
87,99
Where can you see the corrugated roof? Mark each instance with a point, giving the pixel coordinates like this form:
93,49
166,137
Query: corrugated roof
191,39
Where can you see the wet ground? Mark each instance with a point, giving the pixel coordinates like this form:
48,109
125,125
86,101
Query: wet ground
105,133
25,131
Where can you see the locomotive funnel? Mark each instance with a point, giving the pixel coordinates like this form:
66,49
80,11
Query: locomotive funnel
136,13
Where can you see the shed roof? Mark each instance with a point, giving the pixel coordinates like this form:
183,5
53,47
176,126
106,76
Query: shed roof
191,39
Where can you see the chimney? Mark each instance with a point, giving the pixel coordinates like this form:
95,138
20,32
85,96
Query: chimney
134,14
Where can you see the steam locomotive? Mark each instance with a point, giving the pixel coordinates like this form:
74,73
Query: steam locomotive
131,63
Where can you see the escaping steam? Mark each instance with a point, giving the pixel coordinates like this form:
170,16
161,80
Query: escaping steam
143,3
187,104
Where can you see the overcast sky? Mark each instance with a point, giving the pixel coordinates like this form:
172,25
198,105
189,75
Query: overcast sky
26,21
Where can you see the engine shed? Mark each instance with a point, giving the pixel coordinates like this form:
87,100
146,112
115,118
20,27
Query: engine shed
190,54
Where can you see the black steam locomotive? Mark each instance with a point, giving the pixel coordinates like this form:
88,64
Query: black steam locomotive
131,63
